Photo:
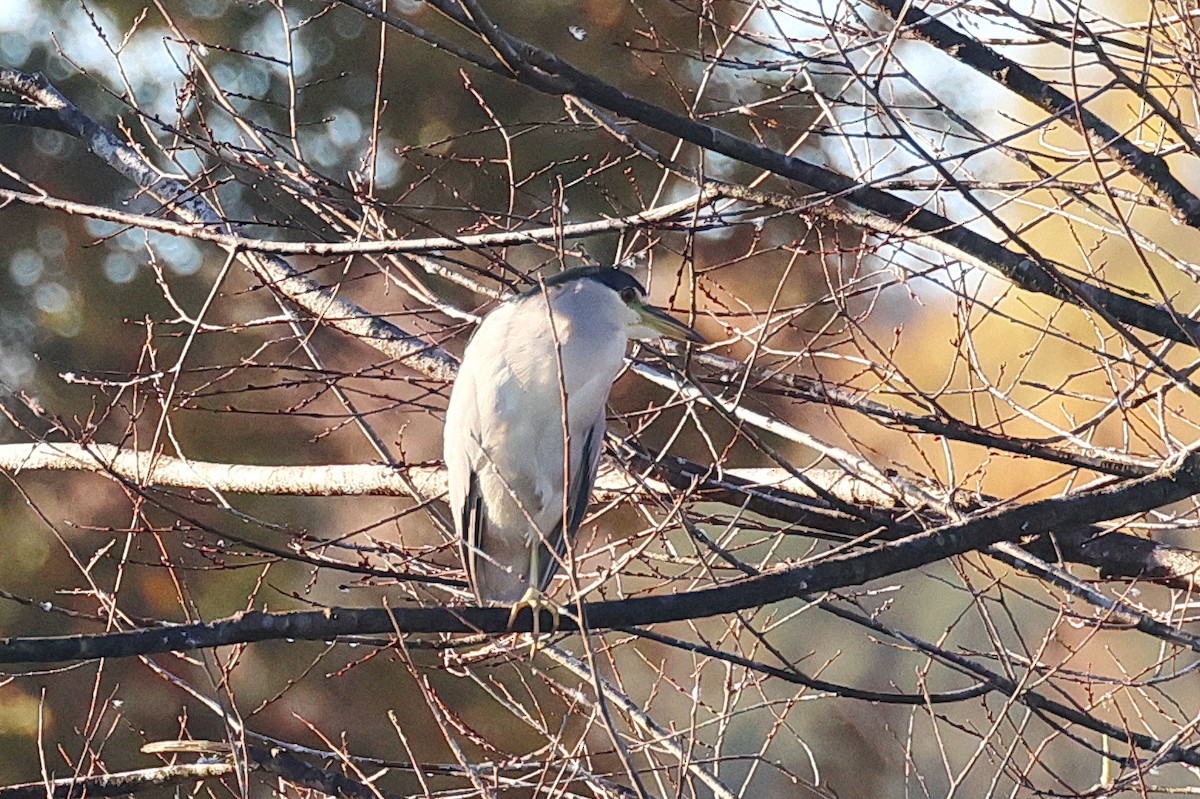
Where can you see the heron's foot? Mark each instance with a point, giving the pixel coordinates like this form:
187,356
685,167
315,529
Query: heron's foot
536,601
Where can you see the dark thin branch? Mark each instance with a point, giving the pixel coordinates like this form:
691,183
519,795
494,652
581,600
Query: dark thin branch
279,762
988,682
886,213
1114,553
1045,707
797,677
811,389
1151,169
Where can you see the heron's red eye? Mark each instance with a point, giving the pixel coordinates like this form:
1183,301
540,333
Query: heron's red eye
628,294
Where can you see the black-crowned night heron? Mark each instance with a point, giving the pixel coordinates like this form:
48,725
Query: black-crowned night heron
511,490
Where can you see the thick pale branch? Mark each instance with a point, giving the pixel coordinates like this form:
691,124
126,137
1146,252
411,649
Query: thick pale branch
772,493
118,784
275,761
147,469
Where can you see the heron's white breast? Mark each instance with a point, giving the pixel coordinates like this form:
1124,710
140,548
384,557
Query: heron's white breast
516,414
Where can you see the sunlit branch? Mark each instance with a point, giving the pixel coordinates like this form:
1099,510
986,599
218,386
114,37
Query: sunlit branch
877,210
1151,169
119,783
1180,481
202,232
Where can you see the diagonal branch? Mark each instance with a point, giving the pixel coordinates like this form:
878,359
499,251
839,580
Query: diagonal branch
192,208
879,211
1151,169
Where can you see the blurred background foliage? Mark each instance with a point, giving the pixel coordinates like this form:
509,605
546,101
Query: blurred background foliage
356,120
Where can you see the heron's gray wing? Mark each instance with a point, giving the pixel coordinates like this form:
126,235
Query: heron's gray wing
578,498
471,522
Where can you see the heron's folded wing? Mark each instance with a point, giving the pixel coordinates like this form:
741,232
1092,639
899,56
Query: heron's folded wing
578,498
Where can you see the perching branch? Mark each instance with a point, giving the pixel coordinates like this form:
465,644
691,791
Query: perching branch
769,492
1180,481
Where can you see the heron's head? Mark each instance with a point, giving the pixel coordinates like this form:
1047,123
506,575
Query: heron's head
642,320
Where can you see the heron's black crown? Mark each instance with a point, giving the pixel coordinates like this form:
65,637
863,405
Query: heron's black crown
610,276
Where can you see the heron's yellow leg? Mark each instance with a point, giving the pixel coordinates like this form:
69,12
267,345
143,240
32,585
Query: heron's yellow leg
536,601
